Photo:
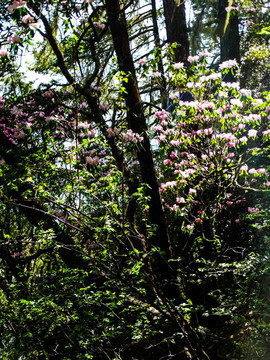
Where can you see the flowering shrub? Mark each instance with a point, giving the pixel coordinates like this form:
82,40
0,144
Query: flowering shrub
207,144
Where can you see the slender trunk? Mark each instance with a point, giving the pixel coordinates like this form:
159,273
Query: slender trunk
137,122
176,28
163,91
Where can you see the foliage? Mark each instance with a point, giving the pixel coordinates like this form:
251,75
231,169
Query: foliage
85,270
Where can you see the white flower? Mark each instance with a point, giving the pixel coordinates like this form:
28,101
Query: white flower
252,133
228,64
193,58
179,65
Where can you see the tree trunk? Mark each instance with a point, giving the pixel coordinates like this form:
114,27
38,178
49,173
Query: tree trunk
137,122
176,28
229,37
163,92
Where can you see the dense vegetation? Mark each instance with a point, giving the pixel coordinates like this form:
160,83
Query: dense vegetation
134,180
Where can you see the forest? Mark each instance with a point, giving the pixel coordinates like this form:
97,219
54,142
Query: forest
134,179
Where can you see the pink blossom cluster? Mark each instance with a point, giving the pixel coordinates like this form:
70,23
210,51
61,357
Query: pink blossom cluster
48,94
3,52
253,210
178,66
133,137
96,88
27,19
212,76
266,132
252,133
142,61
99,25
112,132
162,114
228,64
86,129
230,8
92,160
103,107
167,185
16,5
156,74
259,171
14,39
194,58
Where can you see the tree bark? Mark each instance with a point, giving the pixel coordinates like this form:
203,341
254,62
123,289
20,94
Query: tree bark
176,28
229,37
137,122
163,92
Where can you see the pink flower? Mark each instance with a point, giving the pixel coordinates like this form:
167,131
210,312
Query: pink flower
228,64
131,136
252,210
266,132
27,18
33,25
156,74
193,58
112,132
252,133
14,39
20,134
16,5
103,107
142,61
180,200
241,126
245,92
3,52
244,168
92,161
161,138
261,171
167,162
48,94
208,131
243,139
99,25
204,53
179,65
83,105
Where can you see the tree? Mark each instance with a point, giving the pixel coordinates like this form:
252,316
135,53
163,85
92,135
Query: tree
176,28
229,29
